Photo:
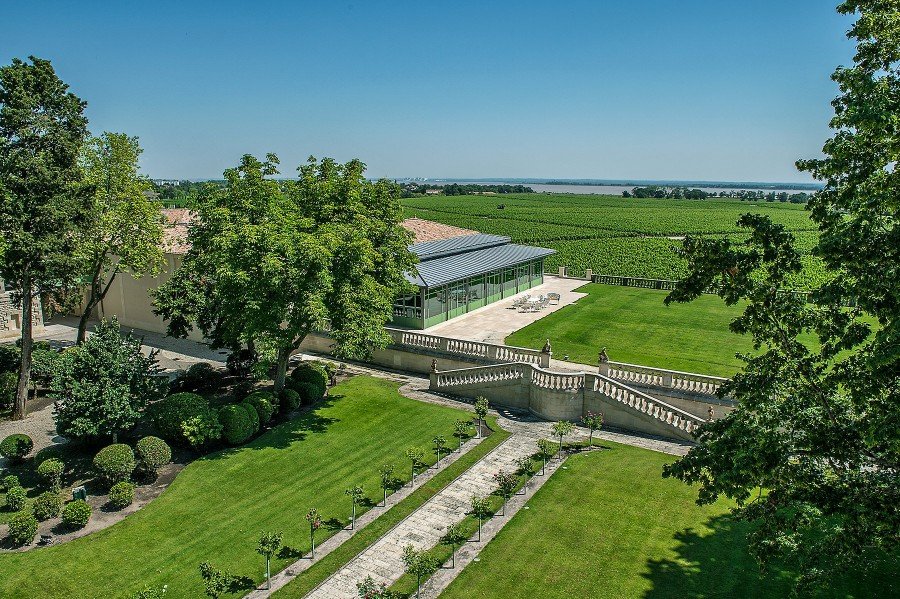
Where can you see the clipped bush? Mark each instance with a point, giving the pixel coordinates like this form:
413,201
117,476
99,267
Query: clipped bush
114,463
9,382
253,415
170,414
15,499
152,453
264,403
309,372
309,392
47,505
57,452
121,495
16,446
236,424
22,528
199,378
76,513
199,431
290,400
51,471
10,481
9,358
240,363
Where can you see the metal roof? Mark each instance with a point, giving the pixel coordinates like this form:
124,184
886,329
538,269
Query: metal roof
428,250
454,267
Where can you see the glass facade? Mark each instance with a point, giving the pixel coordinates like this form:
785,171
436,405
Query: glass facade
436,304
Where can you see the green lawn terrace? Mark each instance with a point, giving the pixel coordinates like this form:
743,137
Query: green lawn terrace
219,505
607,525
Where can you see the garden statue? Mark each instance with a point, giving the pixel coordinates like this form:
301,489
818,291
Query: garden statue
433,365
710,413
602,358
547,349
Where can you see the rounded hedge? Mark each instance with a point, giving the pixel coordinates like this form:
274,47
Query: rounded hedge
264,403
22,528
309,392
309,372
51,471
121,495
236,424
170,414
10,481
114,463
253,415
152,453
76,514
290,400
199,377
9,383
47,505
15,499
16,446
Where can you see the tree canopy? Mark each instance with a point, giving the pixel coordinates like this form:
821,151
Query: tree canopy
124,231
272,261
812,452
43,200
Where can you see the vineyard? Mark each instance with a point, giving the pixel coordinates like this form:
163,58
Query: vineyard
614,235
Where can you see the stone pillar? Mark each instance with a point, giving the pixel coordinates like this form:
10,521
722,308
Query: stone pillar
588,274
562,271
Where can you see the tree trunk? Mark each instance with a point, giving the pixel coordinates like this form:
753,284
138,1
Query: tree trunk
82,324
27,344
281,363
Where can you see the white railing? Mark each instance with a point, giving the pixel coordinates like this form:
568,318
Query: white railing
478,375
643,403
469,349
661,377
557,381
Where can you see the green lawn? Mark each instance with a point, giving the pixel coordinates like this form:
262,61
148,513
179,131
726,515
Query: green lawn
610,526
218,506
635,326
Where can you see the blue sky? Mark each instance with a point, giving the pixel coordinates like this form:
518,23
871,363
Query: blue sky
688,89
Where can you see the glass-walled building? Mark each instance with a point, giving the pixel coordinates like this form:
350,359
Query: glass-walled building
461,274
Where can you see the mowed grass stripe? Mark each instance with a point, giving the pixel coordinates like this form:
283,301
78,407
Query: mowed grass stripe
335,560
217,508
609,526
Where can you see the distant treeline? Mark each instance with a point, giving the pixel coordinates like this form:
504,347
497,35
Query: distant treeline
683,193
180,190
455,189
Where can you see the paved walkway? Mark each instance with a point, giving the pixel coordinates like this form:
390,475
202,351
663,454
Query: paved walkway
495,322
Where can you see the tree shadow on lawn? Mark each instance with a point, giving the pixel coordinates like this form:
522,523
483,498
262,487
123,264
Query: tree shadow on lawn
714,564
718,564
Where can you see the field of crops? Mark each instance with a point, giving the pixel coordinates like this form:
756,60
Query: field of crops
614,235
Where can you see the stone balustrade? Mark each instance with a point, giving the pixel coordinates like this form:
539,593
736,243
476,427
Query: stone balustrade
661,377
469,349
643,403
568,395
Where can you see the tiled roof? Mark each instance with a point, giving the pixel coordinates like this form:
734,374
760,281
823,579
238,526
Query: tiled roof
428,230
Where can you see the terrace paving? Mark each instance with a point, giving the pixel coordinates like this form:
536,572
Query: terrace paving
494,322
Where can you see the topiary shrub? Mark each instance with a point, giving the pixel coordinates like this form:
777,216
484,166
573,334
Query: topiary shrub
290,400
47,505
9,383
114,463
51,471
121,495
236,424
16,446
199,378
309,392
253,415
76,514
170,415
22,528
15,499
152,453
202,430
10,481
309,372
264,403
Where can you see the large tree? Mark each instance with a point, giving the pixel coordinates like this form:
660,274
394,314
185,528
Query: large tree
812,453
272,261
43,200
124,233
